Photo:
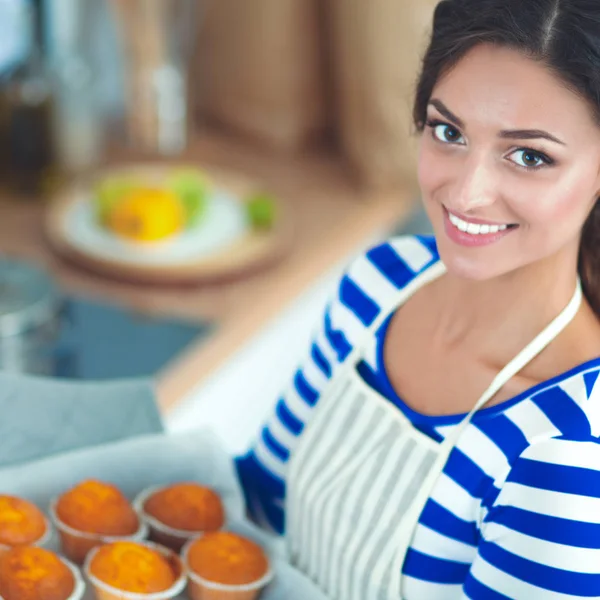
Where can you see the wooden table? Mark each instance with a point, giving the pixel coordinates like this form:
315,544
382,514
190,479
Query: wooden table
331,215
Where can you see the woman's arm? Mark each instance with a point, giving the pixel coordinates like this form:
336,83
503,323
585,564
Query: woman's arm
541,539
370,282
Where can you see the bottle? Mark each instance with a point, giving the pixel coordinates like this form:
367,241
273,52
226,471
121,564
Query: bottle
78,133
27,107
77,129
14,33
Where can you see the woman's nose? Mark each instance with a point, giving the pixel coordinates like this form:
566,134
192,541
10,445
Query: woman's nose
476,186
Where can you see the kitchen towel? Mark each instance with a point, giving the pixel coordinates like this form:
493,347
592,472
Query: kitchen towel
40,417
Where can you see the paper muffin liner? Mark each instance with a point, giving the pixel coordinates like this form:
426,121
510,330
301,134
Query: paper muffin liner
77,544
104,591
159,532
79,589
44,541
202,589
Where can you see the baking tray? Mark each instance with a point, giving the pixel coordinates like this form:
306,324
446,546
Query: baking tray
137,463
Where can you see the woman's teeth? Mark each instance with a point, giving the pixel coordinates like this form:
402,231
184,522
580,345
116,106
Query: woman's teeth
474,229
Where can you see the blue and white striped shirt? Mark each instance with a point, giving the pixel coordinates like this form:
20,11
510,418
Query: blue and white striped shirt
516,511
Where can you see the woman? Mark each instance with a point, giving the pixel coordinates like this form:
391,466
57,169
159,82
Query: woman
396,468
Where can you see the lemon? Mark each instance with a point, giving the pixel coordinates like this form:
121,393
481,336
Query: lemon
147,215
109,193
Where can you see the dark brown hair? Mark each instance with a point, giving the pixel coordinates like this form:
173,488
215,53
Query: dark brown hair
564,35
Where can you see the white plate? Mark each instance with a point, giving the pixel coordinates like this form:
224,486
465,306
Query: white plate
223,223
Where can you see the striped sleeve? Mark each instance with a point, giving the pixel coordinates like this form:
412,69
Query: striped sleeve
367,285
541,539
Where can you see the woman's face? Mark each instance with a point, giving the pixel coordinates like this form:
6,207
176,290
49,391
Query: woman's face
509,164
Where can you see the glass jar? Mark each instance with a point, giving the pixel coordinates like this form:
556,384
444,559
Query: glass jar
30,319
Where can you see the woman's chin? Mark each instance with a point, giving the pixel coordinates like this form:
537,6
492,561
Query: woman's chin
473,267
469,271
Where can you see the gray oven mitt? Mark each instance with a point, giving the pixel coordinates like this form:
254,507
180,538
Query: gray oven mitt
40,417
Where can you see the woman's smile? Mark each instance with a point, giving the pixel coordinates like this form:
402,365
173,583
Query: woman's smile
467,231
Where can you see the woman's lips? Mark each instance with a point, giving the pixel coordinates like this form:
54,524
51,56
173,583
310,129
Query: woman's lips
474,234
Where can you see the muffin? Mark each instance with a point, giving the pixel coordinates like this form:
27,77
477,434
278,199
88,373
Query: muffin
179,512
121,568
32,573
97,507
225,566
21,522
92,513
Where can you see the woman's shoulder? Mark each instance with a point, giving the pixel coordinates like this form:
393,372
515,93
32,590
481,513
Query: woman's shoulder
373,278
571,363
391,265
406,255
370,284
565,407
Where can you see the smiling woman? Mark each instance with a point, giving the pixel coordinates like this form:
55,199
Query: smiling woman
531,76
441,440
479,164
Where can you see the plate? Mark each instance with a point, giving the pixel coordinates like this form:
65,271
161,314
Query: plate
220,246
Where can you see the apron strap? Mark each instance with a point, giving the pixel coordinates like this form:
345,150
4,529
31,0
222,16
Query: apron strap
525,356
534,348
413,514
538,344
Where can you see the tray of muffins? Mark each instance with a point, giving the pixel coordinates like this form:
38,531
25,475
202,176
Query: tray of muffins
151,518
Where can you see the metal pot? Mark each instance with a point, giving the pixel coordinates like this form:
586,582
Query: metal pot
30,319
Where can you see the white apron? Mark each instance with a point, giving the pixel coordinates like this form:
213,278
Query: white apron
361,474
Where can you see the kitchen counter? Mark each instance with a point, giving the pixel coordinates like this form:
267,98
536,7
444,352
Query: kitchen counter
331,219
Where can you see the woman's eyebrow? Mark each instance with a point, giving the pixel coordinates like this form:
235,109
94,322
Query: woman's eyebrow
511,134
444,110
530,134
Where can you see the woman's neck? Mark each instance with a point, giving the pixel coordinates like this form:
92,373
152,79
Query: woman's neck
507,311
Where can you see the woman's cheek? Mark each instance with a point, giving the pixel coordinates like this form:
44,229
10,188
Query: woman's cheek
423,167
565,202
555,212
431,169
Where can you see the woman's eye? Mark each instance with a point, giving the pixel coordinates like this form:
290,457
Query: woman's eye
447,133
529,159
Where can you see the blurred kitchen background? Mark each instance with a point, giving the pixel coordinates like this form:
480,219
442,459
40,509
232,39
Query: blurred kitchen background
307,102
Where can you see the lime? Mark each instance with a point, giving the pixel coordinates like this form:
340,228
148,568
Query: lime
262,211
193,190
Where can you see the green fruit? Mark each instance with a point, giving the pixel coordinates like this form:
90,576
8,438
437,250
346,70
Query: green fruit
194,190
109,193
262,211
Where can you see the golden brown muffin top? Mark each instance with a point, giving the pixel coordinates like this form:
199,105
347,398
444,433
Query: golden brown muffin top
21,522
97,507
133,567
187,506
227,558
31,573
